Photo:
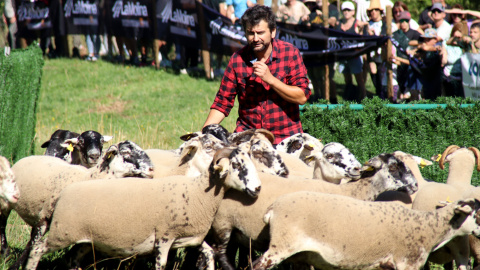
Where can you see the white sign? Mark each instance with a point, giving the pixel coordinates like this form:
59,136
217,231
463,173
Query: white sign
471,75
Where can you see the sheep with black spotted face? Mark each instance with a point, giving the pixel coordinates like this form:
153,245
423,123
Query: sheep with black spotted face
237,213
41,179
84,149
301,145
316,228
146,217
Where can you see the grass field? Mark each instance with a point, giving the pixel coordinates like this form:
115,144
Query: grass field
150,107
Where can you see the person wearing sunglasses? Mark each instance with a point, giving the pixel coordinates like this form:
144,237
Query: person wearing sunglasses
443,27
399,7
425,19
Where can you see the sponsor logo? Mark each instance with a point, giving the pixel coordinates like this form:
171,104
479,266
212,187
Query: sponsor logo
80,7
129,9
28,11
181,17
300,43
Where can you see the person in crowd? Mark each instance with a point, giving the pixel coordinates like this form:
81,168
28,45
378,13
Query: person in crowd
398,8
473,39
269,77
377,27
316,74
221,7
236,8
354,65
293,12
404,35
443,27
362,9
433,54
426,20
93,42
9,13
458,13
452,72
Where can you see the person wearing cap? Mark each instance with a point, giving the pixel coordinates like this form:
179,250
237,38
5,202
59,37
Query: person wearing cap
399,7
377,27
349,24
433,54
425,19
407,34
293,12
443,27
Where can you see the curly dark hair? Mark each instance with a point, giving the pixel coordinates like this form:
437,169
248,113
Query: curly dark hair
257,13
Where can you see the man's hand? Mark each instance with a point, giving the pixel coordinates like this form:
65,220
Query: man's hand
261,70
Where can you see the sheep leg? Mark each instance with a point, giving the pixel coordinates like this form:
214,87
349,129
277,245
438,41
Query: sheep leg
269,259
3,236
36,235
209,254
162,246
221,250
38,249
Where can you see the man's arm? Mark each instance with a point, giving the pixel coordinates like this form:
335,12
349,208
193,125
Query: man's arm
214,117
290,93
223,9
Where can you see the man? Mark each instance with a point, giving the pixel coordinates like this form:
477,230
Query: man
474,38
425,21
443,28
269,77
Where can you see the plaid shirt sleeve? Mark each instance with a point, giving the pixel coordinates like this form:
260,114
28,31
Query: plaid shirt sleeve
225,98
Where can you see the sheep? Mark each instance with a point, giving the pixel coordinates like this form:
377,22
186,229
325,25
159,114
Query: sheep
385,172
412,162
197,152
53,147
9,194
84,149
40,179
317,229
143,217
301,145
462,163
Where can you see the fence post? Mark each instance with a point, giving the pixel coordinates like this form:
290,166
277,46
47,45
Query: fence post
326,78
203,34
389,54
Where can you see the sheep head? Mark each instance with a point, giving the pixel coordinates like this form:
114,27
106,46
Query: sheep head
448,151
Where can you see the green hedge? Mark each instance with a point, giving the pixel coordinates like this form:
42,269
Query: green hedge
380,129
20,80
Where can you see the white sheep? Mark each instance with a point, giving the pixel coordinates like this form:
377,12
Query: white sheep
337,232
9,194
462,163
412,162
145,217
246,215
301,145
41,179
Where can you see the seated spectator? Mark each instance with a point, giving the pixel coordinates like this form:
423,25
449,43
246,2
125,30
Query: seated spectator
293,12
354,65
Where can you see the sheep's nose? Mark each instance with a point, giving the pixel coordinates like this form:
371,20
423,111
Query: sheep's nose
94,156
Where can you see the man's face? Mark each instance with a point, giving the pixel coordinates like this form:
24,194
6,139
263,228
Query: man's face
475,34
437,15
259,37
375,15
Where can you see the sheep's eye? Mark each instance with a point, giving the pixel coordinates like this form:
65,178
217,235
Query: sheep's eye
235,165
297,145
125,153
329,156
209,148
392,168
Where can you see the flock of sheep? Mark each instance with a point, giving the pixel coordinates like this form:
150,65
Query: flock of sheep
301,202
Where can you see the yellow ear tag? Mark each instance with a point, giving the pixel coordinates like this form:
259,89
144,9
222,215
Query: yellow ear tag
439,156
369,169
423,163
309,159
70,147
109,155
448,199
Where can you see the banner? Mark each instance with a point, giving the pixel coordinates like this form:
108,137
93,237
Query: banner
184,25
130,18
320,45
82,16
33,19
471,75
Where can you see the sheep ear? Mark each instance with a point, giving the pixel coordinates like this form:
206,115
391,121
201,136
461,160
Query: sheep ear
45,144
69,144
422,162
222,167
466,206
188,136
309,146
106,138
112,151
374,163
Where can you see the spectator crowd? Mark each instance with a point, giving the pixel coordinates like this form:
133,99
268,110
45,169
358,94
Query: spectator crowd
427,48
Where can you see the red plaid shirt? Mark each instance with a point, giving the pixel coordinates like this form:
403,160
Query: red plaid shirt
260,106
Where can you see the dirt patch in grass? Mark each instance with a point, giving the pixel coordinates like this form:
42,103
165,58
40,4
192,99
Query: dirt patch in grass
114,105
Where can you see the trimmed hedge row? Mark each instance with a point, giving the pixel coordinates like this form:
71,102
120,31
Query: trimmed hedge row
20,81
381,129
